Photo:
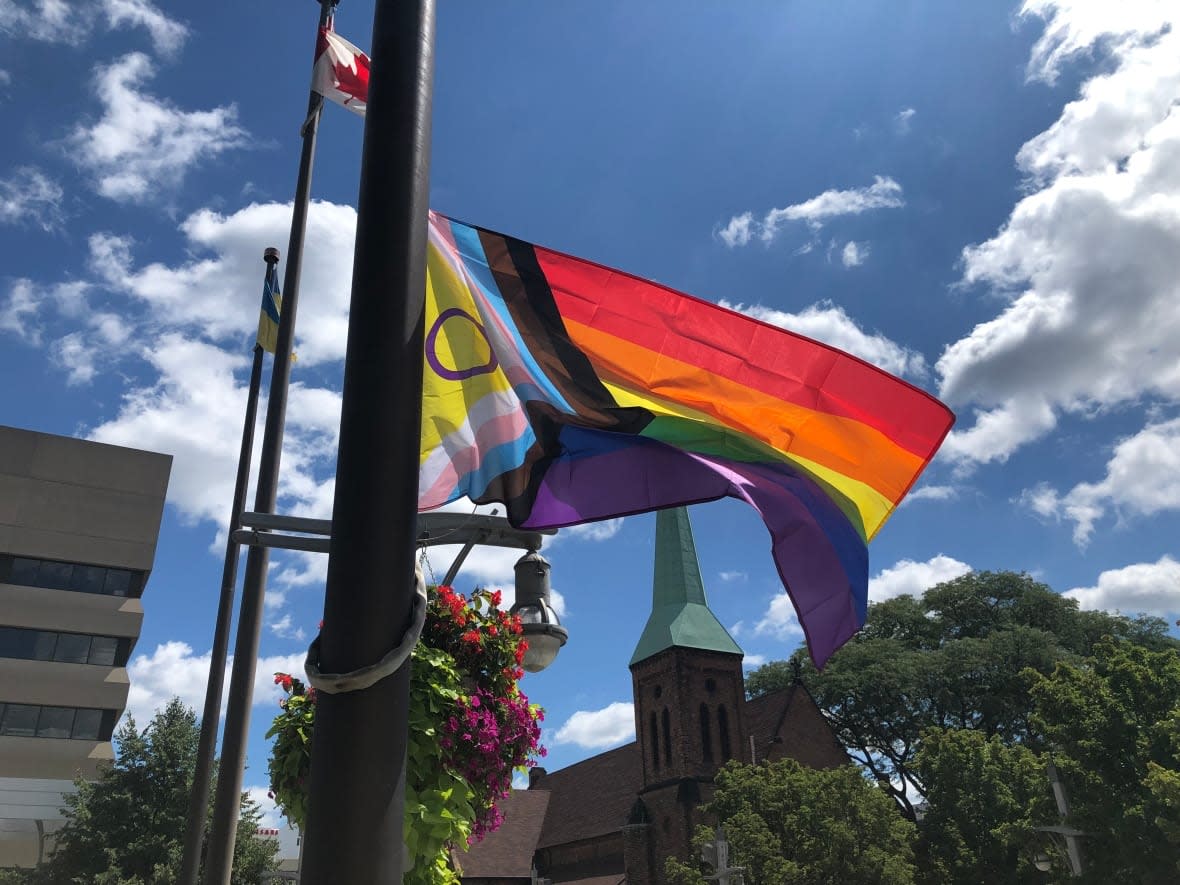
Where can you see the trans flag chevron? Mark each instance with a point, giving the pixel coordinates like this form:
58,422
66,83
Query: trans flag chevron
570,392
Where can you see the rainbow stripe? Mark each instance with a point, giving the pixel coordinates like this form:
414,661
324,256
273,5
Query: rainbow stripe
571,392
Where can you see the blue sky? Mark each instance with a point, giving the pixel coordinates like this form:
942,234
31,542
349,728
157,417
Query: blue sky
984,198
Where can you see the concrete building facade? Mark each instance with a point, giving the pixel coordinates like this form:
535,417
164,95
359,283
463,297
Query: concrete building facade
79,523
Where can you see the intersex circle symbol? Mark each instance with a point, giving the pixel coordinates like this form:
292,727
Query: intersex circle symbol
432,348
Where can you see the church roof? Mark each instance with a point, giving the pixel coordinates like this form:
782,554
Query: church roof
508,851
612,779
680,615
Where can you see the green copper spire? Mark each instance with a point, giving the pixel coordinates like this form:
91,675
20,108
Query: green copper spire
680,616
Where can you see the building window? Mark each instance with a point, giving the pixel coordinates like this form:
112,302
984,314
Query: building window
655,742
19,720
706,735
723,729
31,720
667,723
28,572
55,722
23,643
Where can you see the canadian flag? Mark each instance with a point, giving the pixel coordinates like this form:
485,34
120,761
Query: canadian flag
341,72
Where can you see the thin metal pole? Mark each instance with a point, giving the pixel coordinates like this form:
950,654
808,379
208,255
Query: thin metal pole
356,797
198,804
1073,846
227,799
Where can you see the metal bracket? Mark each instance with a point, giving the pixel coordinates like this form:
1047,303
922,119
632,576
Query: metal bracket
315,535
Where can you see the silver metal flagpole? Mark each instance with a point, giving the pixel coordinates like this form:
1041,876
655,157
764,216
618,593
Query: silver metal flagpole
227,799
198,806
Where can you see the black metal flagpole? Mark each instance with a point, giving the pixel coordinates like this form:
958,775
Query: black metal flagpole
227,799
355,803
198,805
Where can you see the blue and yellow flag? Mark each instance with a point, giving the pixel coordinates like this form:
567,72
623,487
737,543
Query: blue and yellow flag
268,316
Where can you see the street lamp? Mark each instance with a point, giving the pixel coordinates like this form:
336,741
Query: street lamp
1065,838
542,629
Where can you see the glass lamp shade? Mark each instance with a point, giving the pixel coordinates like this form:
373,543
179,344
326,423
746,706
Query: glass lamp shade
543,632
542,628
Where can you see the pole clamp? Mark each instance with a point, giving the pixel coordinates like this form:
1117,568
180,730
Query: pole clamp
358,680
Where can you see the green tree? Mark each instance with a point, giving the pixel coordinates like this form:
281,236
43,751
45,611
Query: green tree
985,798
126,828
952,659
1110,722
787,823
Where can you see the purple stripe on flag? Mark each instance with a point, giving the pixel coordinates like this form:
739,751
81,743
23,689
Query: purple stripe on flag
603,475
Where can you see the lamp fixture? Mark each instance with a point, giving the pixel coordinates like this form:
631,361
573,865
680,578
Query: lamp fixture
542,628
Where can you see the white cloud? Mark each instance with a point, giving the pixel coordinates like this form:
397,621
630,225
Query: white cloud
830,324
780,620
47,21
932,493
738,230
854,254
215,292
594,531
914,578
72,353
730,577
58,21
1142,479
883,193
749,662
1147,587
1073,27
285,629
903,121
167,35
196,416
142,146
19,310
173,670
1089,260
598,729
29,195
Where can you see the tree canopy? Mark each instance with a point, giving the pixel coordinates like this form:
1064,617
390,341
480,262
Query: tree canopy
957,701
787,823
952,659
1110,724
126,828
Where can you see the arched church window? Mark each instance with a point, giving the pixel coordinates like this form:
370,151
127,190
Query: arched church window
723,730
655,742
706,735
667,723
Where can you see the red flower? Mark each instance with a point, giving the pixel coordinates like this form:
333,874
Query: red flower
471,636
496,597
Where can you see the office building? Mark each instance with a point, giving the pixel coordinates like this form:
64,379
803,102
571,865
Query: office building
78,527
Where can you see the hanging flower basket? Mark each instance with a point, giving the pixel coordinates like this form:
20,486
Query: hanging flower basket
470,728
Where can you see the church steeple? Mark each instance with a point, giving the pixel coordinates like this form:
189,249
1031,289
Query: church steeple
680,616
686,679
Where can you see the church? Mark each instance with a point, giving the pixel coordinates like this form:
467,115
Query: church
613,818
